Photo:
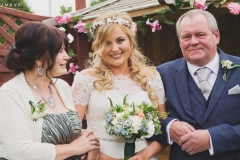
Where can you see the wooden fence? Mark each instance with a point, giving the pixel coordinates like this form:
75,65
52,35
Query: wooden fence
10,21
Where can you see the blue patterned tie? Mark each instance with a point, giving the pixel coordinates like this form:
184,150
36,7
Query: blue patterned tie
203,75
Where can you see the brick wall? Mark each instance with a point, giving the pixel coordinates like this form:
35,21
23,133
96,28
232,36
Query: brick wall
80,4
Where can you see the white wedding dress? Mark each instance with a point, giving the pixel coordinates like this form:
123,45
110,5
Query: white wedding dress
98,103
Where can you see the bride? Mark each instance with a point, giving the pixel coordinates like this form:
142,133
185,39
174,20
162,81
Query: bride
117,69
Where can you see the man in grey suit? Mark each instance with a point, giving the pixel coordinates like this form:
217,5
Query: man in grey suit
204,105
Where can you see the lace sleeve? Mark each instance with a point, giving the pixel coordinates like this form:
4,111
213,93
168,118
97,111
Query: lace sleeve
81,89
157,87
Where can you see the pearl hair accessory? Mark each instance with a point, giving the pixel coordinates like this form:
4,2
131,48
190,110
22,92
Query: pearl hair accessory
102,22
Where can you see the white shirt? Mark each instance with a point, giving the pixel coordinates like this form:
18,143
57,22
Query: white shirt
214,66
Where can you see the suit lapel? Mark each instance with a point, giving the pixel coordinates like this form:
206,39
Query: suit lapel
181,82
218,87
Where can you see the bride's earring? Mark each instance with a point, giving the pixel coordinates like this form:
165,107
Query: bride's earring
40,71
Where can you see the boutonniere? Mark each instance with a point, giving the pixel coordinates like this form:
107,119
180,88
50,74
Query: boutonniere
226,65
37,110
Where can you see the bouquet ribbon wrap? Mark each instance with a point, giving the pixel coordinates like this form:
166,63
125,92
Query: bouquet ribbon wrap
129,150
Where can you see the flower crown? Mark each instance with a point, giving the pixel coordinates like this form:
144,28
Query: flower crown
102,22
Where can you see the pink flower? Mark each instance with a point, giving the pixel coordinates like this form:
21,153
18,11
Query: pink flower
155,25
199,4
134,27
72,68
234,8
80,26
59,19
64,19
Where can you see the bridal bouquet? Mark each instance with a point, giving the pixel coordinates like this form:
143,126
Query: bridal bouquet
131,122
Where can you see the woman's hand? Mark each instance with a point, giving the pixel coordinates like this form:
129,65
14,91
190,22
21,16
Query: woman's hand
85,143
94,154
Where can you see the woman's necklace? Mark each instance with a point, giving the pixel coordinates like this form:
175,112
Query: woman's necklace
50,100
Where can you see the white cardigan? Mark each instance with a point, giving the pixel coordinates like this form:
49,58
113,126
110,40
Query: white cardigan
20,136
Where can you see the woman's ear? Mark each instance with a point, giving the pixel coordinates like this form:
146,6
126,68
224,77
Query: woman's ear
38,62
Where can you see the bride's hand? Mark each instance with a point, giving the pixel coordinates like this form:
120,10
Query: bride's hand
93,155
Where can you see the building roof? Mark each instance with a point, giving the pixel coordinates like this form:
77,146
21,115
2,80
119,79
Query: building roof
134,7
118,5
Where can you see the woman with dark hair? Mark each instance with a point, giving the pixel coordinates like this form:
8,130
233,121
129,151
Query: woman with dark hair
38,118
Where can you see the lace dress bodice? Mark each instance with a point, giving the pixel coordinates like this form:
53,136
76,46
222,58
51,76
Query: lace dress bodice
98,102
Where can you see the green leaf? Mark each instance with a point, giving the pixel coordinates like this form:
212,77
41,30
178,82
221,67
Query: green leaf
149,109
144,15
236,65
211,6
63,9
39,101
32,109
157,17
89,37
222,2
207,4
178,3
88,26
191,2
31,103
164,115
69,9
32,106
75,18
107,126
110,102
142,27
133,113
161,11
71,53
167,21
125,100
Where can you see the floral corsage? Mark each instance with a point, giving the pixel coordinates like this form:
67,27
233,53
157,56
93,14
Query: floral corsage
226,65
37,110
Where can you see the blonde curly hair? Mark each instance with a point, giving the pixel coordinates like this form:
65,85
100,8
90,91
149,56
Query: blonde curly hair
136,61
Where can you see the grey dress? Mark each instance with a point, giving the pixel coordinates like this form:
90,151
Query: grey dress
61,128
